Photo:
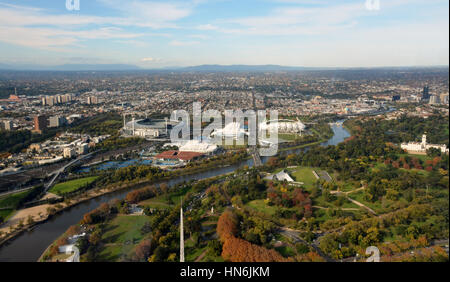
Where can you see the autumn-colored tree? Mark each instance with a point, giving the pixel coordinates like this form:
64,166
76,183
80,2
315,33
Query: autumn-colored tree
54,250
310,257
73,230
436,160
239,250
143,250
142,194
227,225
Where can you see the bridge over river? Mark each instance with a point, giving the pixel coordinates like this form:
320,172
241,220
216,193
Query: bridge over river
29,246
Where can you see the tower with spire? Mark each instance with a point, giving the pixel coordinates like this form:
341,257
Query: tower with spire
181,235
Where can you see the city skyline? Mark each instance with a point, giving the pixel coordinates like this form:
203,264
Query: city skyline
159,34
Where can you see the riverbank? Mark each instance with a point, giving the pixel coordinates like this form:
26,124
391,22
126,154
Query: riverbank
46,231
40,214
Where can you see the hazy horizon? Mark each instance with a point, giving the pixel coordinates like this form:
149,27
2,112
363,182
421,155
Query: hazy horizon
162,34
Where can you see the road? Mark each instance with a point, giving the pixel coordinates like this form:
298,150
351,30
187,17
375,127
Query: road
354,201
294,235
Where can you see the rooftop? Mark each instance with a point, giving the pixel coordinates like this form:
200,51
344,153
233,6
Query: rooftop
177,155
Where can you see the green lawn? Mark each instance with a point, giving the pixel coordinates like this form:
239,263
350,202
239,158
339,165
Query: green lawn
286,251
157,202
165,201
121,236
423,158
288,137
260,206
13,200
5,214
305,175
193,253
71,186
359,196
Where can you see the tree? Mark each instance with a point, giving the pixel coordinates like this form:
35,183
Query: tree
227,225
95,237
73,230
30,220
238,250
302,248
143,250
214,247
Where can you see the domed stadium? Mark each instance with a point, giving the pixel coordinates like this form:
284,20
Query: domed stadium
284,126
149,128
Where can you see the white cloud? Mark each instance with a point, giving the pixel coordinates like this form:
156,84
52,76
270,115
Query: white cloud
325,17
207,27
151,13
199,36
299,20
183,43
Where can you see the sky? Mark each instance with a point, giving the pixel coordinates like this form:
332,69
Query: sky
158,33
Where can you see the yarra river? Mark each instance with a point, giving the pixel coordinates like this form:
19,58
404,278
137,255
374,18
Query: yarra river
29,246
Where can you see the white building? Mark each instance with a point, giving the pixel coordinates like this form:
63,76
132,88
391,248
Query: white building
69,153
57,121
422,147
232,130
83,149
198,147
281,176
71,249
146,133
284,126
434,100
8,125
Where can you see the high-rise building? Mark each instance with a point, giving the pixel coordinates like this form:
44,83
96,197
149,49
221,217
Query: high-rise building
40,123
49,100
434,99
426,93
8,125
57,121
92,100
83,149
444,98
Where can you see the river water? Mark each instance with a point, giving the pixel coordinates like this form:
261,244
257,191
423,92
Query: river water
29,246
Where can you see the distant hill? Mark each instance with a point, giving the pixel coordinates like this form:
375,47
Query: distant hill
5,67
244,68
